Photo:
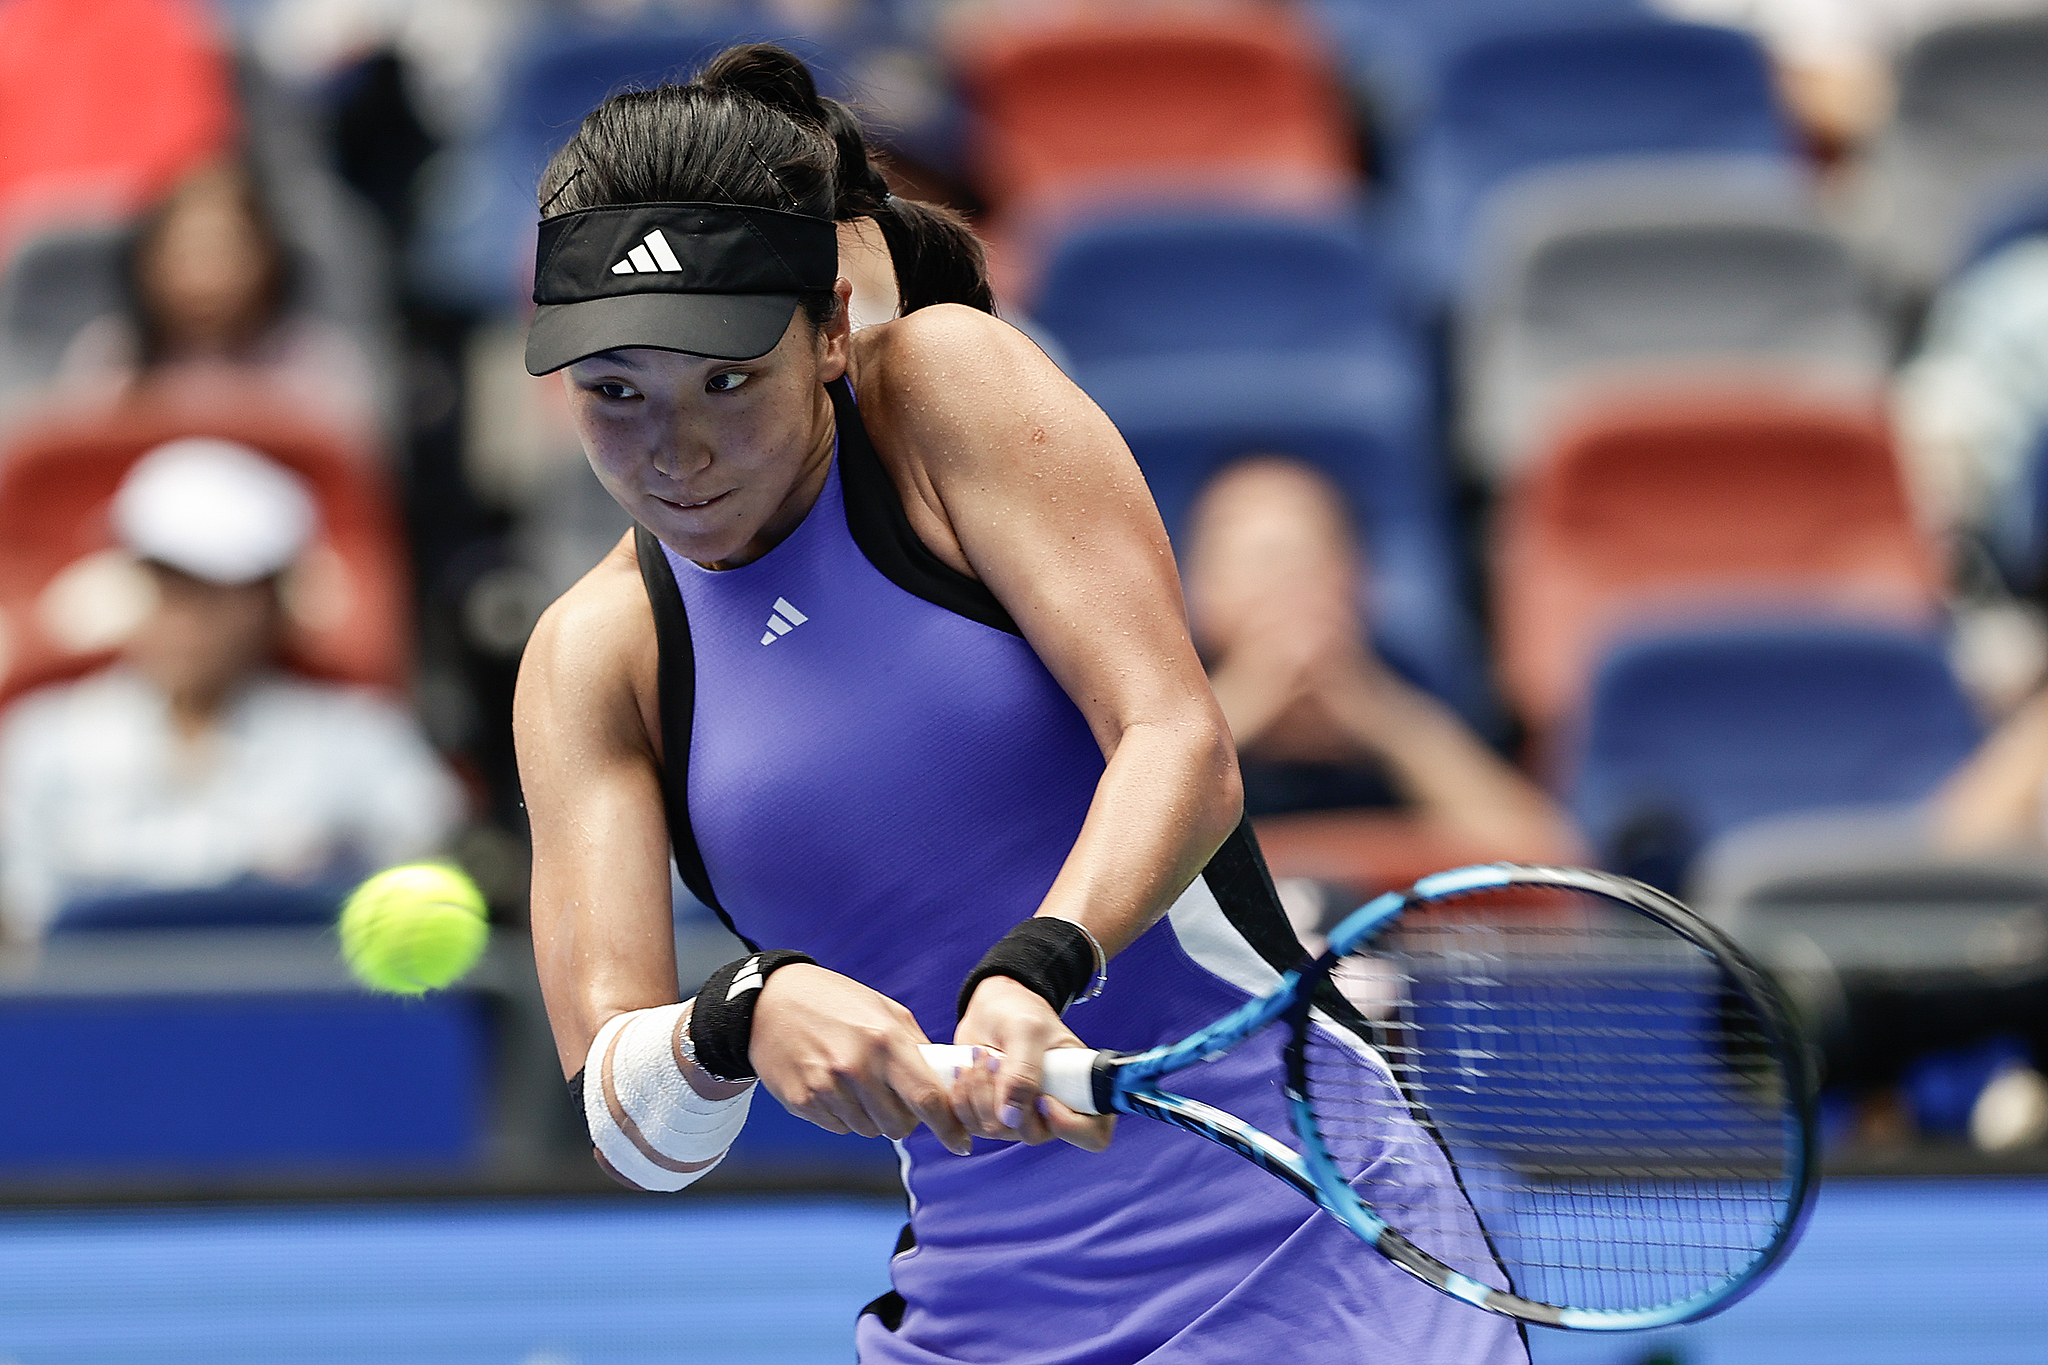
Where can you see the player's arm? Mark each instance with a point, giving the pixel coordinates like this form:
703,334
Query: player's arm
1012,474
586,721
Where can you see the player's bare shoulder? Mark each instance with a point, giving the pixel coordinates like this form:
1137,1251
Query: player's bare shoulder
592,665
948,355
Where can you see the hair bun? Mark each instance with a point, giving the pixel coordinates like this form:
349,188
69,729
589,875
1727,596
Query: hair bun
774,76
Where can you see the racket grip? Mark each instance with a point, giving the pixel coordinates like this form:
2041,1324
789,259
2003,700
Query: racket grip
1069,1071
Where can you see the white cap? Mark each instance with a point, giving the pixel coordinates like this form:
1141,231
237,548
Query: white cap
214,509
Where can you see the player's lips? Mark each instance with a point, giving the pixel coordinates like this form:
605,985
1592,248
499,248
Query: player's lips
682,506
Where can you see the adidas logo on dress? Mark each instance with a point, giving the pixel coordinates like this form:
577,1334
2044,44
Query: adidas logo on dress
778,625
651,257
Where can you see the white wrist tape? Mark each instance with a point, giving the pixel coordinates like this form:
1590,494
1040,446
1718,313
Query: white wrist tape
655,1127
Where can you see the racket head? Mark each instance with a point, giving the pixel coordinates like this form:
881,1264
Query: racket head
1579,1105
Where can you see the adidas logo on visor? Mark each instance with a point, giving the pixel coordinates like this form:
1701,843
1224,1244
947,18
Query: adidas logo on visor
652,257
777,625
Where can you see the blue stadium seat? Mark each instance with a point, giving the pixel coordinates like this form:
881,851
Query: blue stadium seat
1517,101
1689,735
1395,49
1206,339
1181,284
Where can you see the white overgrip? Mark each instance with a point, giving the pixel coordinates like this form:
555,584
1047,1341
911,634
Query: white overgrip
1069,1074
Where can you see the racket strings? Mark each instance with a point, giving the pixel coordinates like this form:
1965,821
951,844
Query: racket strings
1558,1098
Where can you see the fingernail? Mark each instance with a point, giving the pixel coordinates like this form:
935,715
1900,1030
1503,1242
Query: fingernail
1044,1106
1009,1116
994,1064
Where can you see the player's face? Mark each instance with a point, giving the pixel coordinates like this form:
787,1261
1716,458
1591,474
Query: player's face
720,459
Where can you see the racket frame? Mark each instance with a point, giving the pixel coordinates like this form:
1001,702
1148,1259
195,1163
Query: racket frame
1129,1084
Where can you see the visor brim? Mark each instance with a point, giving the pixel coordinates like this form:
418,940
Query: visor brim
716,326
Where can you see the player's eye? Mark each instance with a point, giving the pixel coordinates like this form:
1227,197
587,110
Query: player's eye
615,391
726,381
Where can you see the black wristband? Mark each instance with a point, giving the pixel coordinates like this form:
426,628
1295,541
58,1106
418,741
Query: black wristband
1053,957
722,1020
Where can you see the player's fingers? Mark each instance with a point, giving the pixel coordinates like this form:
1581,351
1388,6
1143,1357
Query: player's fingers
983,1100
1017,1087
1089,1132
887,1111
843,1101
932,1102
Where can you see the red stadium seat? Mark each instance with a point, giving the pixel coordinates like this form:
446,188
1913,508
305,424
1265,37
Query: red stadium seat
1234,106
65,600
104,105
1705,508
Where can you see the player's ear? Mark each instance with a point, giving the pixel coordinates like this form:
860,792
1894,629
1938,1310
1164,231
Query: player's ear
836,336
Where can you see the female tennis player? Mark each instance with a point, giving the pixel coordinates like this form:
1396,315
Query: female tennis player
895,666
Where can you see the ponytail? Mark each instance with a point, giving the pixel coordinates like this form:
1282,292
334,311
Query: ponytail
936,255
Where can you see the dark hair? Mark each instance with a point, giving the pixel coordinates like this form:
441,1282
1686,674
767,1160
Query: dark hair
753,129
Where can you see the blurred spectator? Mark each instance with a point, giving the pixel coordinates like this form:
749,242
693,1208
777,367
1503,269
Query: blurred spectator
212,310
1834,57
1998,801
1973,400
1398,785
192,763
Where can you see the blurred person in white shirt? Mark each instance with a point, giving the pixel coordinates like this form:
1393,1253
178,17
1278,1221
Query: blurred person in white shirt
194,763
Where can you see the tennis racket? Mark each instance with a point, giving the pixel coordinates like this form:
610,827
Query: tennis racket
1552,1093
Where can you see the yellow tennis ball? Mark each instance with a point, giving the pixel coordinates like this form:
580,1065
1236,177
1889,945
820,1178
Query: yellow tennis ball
412,929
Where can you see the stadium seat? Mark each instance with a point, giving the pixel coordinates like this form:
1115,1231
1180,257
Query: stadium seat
66,598
1591,279
1107,114
103,107
1513,102
1702,507
1176,284
1395,49
1688,735
1210,338
1967,147
1903,961
1231,103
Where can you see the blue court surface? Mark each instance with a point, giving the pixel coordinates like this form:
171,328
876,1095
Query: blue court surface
1888,1272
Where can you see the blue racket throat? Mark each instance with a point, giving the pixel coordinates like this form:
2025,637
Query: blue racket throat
1550,1093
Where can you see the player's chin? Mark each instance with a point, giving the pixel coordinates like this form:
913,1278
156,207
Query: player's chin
707,532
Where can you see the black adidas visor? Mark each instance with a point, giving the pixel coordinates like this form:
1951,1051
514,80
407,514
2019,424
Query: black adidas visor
716,280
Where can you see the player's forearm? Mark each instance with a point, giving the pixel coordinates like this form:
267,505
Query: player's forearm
1168,798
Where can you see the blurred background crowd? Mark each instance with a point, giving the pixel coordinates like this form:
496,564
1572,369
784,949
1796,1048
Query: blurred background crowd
1608,431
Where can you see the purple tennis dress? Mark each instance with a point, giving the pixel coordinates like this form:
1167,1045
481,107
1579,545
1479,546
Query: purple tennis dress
868,763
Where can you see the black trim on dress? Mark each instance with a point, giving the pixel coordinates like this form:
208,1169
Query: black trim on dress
1238,879
882,529
676,690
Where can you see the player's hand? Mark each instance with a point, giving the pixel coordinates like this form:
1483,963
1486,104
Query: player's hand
845,1057
1003,1100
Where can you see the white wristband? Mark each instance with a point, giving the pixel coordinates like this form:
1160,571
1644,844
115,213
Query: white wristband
651,1122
